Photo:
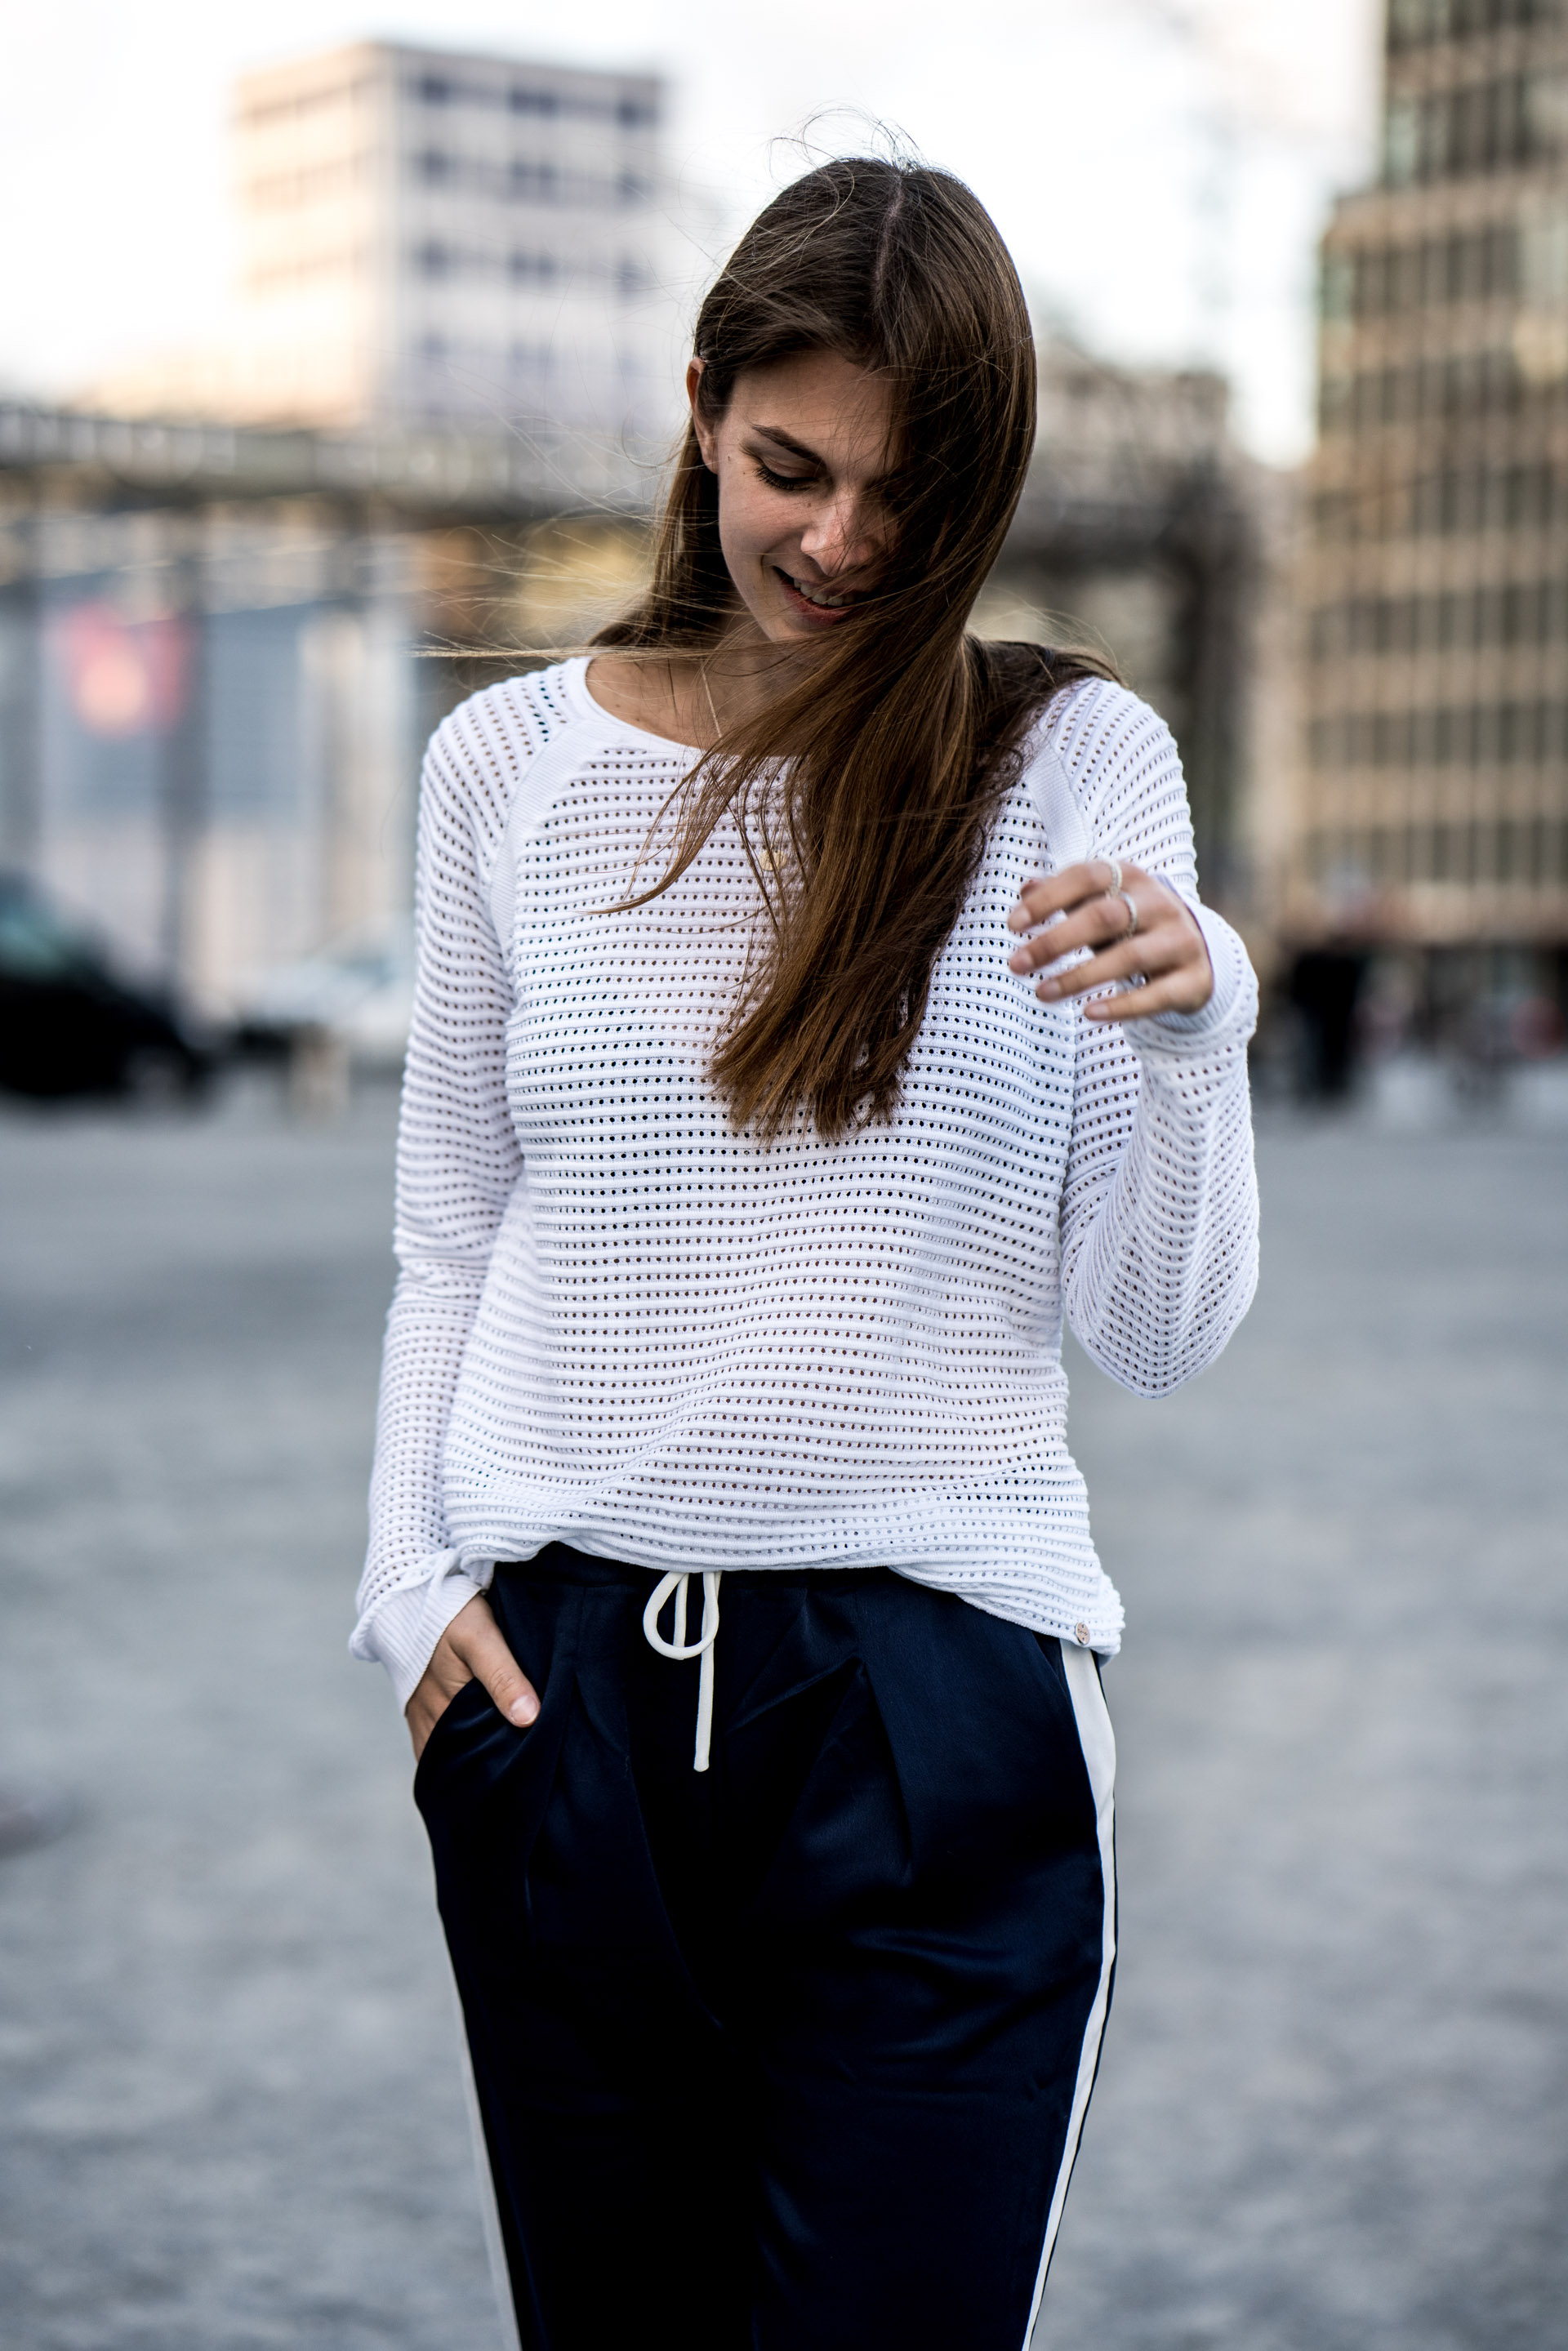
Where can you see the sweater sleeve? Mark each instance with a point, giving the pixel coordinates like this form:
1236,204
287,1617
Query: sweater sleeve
457,1164
1159,1205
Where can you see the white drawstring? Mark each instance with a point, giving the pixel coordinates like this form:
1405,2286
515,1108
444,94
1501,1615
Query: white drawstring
677,1647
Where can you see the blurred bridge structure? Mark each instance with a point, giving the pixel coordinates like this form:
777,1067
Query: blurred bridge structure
1144,525
211,714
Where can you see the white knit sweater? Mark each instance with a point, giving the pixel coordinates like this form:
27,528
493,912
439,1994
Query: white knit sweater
621,1325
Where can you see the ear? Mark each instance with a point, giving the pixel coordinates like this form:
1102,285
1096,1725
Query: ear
707,439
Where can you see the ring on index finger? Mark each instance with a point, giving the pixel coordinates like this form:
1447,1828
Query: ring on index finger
1112,887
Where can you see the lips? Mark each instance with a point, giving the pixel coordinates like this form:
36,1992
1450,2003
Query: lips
816,605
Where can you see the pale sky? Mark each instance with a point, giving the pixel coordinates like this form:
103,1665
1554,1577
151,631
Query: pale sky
1160,168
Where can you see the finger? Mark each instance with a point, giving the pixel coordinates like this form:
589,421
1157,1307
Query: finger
1175,994
1170,961
1180,983
476,1638
1043,895
1100,923
1111,969
1136,958
437,1687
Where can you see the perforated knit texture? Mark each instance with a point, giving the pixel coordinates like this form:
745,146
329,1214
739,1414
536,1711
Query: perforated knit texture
620,1325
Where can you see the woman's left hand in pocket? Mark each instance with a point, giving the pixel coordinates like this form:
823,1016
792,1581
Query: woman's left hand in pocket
1161,953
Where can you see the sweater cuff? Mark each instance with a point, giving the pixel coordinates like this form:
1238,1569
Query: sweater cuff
1231,1013
402,1629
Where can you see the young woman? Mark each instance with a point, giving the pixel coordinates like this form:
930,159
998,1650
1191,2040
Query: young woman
814,1005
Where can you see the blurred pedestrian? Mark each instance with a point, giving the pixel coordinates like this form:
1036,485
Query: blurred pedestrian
814,1005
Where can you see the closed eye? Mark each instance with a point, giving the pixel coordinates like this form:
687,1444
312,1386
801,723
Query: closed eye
783,481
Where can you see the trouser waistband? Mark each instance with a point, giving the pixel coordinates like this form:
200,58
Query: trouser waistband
671,1589
559,1559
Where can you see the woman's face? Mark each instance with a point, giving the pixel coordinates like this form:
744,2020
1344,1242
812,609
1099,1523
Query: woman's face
802,454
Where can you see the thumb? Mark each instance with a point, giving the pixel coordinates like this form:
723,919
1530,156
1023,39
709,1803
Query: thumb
478,1641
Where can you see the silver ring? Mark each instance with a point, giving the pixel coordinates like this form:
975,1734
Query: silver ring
1112,887
1131,904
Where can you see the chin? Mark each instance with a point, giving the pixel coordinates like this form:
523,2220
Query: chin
787,629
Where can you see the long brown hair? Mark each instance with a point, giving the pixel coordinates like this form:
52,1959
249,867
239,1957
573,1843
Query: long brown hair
906,731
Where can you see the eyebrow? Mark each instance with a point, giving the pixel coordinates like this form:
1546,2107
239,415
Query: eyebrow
786,441
776,435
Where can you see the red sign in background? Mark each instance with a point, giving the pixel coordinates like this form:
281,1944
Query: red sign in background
124,677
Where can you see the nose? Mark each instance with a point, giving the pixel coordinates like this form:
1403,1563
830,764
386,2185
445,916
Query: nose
838,537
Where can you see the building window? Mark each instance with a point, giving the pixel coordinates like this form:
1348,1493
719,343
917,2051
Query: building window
1401,141
533,183
1470,265
435,89
1471,384
1479,127
435,169
1473,498
1416,24
522,99
1545,114
435,260
1467,735
1542,266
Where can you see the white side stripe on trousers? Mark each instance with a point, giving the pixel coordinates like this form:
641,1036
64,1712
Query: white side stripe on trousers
1099,1744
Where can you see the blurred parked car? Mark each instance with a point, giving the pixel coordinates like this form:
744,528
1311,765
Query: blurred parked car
69,1024
357,993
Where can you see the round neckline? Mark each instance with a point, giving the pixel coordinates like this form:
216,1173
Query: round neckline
592,707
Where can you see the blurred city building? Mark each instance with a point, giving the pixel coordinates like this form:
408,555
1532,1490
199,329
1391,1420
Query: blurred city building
1431,831
425,235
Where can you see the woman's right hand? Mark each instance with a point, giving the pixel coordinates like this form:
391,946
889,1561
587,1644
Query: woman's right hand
471,1649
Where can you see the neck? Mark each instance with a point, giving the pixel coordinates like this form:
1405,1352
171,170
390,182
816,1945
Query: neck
744,674
698,697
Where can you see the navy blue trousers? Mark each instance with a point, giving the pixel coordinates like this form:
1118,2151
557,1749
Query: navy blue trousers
792,2054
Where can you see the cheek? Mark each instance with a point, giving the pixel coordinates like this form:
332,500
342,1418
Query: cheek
749,522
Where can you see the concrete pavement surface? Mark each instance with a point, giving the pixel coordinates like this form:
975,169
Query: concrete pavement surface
1332,2114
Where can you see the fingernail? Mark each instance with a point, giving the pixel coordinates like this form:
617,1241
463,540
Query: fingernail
1017,919
1047,988
1019,960
523,1710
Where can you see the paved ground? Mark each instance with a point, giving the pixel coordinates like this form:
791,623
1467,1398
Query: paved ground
1333,2112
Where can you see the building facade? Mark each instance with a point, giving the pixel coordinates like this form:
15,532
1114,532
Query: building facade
1431,821
427,236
